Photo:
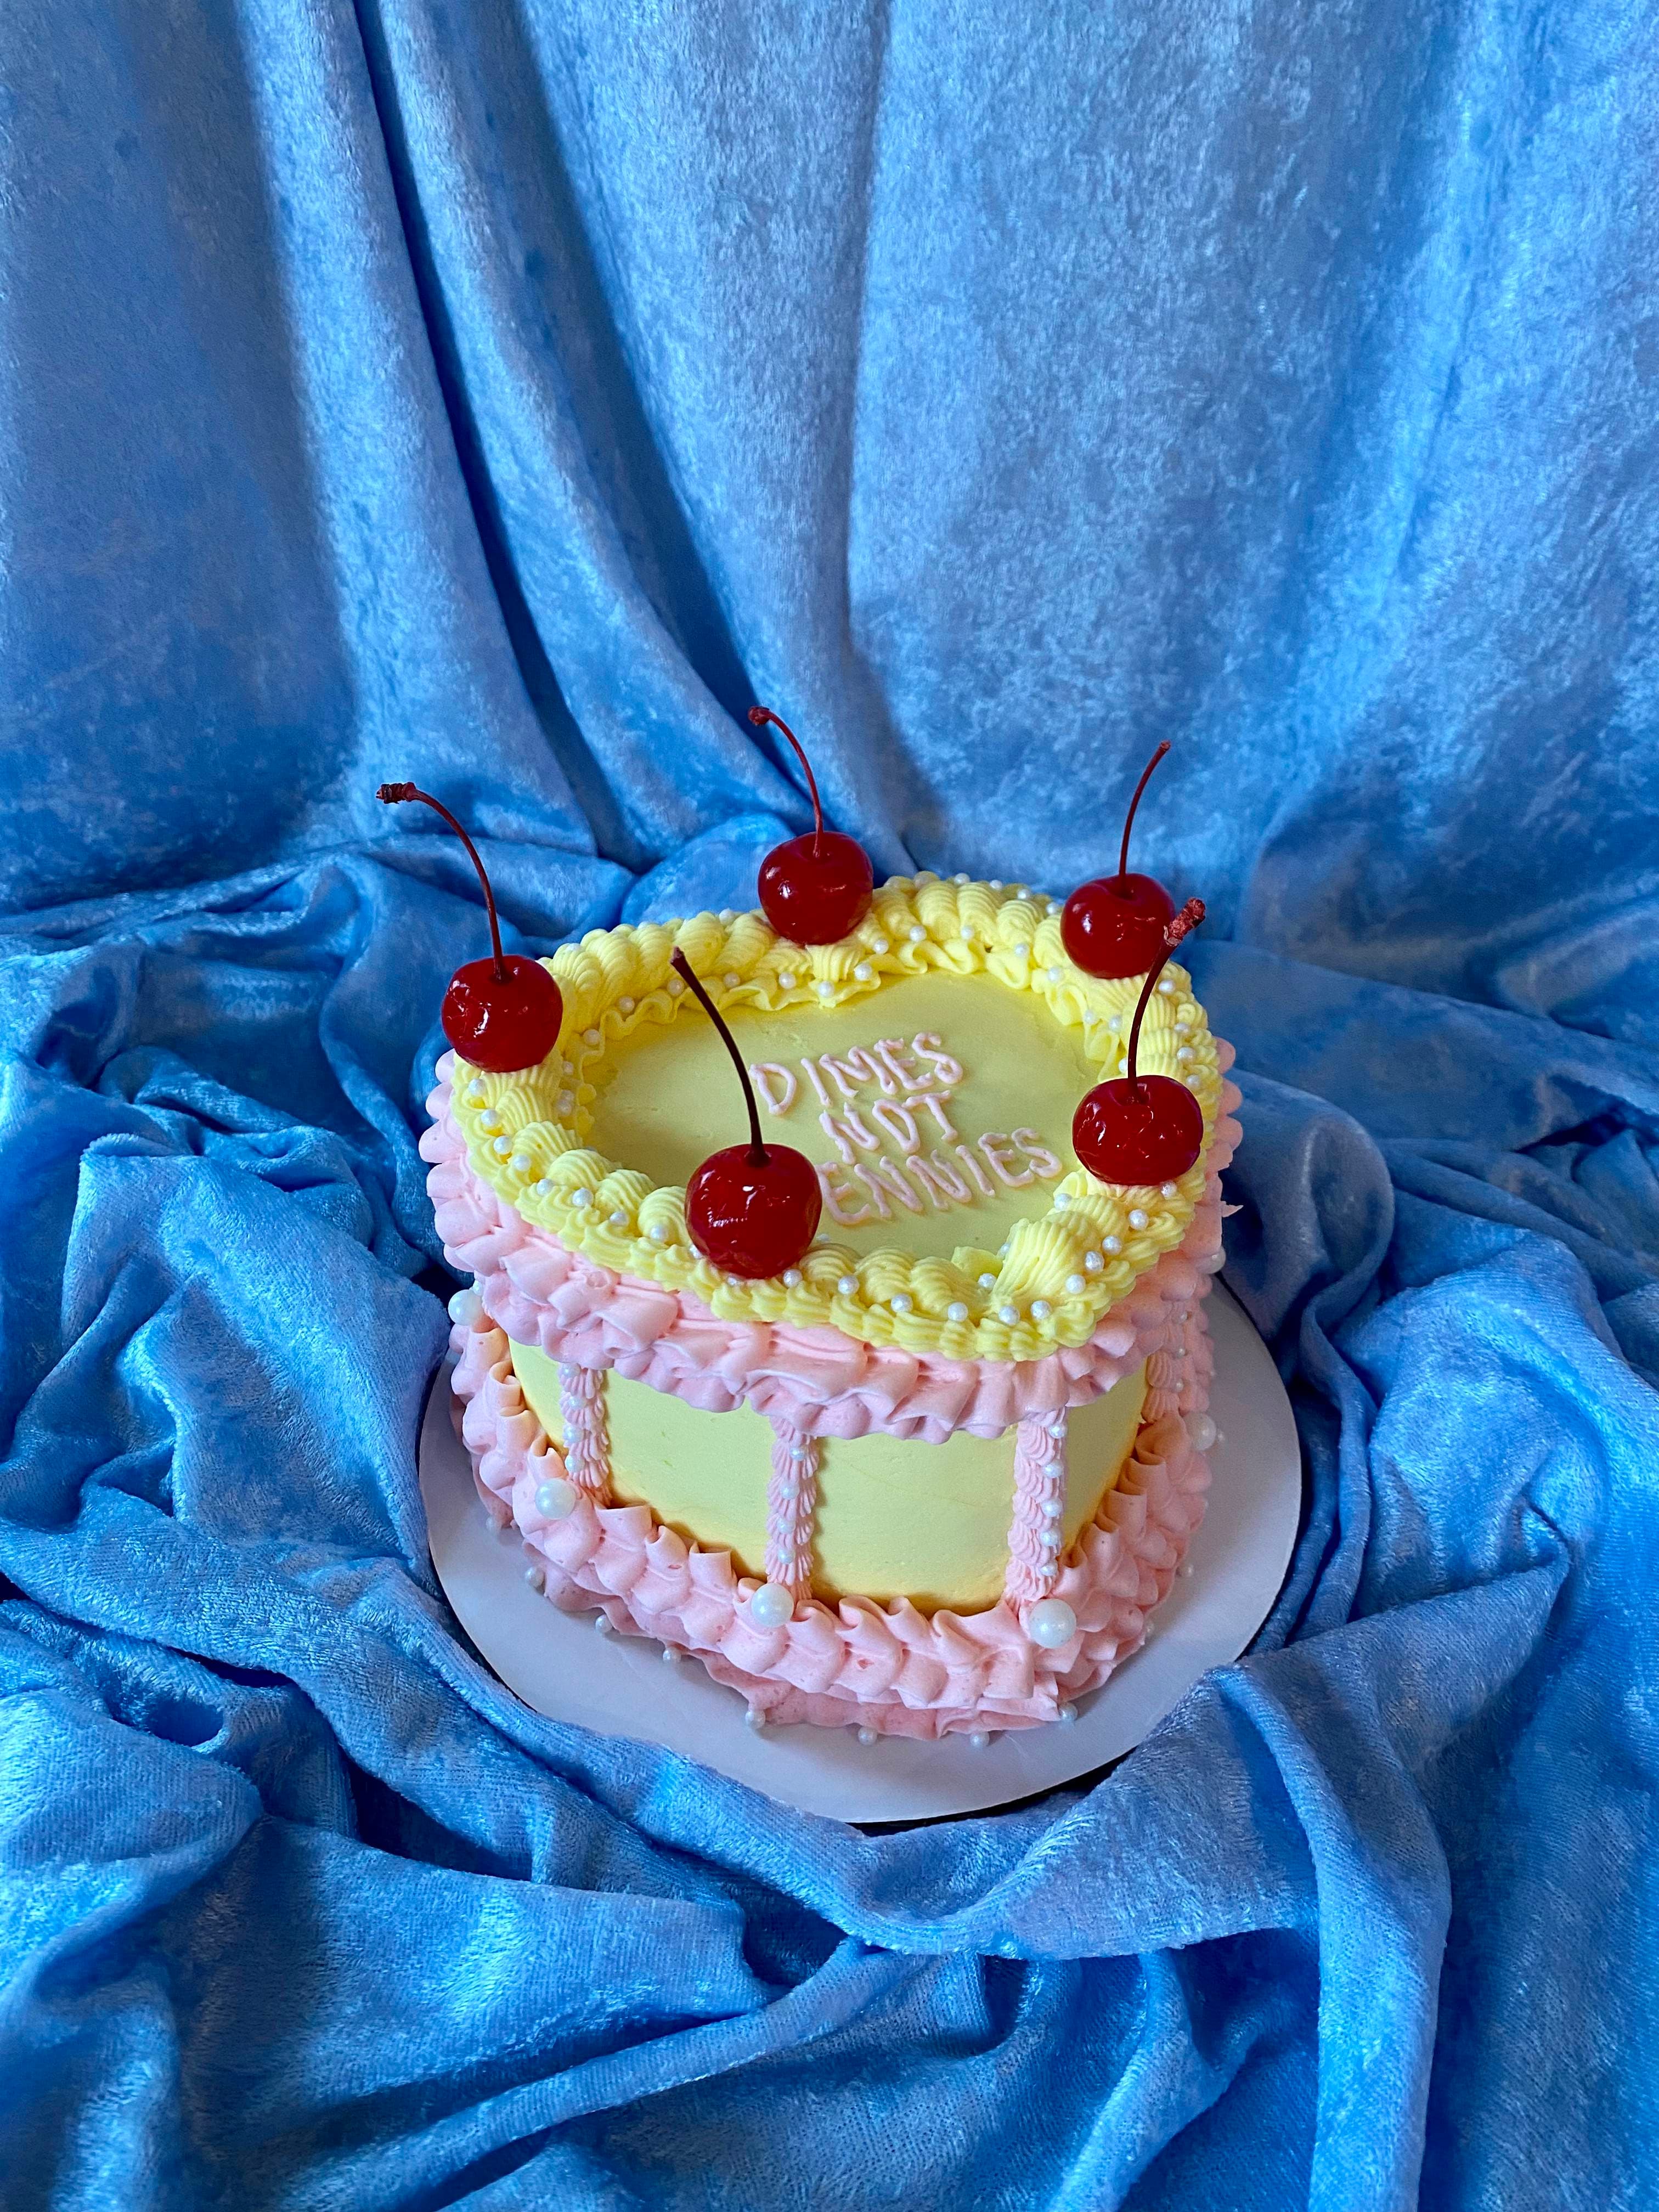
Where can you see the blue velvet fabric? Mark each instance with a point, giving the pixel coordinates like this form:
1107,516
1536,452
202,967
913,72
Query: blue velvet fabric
503,395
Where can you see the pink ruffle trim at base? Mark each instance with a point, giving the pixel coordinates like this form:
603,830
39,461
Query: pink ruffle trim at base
892,1668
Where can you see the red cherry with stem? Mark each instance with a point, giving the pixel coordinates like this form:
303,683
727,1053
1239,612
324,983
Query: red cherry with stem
1142,1128
1115,925
814,889
752,1209
503,1014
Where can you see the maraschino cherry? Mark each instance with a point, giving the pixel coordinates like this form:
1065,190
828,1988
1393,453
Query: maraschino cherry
1142,1128
814,889
1115,925
752,1209
503,1014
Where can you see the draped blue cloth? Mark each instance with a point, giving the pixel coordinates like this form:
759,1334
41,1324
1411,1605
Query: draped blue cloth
504,396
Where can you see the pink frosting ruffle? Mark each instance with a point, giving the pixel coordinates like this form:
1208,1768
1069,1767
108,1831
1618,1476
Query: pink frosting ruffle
892,1668
817,1381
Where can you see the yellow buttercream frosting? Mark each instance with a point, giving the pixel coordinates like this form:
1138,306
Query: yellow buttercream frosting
967,1226
896,1517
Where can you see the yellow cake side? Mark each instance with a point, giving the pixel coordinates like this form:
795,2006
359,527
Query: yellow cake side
896,1517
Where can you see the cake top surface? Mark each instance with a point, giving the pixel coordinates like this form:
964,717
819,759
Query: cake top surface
929,1064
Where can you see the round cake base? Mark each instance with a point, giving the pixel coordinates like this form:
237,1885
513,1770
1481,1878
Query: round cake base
556,1663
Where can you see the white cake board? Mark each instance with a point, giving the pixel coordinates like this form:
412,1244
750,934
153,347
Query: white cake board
556,1663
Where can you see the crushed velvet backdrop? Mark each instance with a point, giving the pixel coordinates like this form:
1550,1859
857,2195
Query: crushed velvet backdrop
504,394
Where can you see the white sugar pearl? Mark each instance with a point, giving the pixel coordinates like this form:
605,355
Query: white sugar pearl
1067,1716
658,1233
1137,1216
791,1277
676,986
1093,1262
1114,1022
1053,977
671,1654
1184,1055
867,1736
624,1005
987,1282
1007,1316
901,1302
996,883
490,1122
1021,951
1052,1509
1194,1082
556,1498
1002,1251
1062,1200
565,1102
543,1188
878,945
785,982
618,1219
1200,1431
1183,1029
771,1606
847,1285
581,1199
1166,988
734,1282
863,973
536,1577
1187,1570
590,1037
1167,1190
728,913
1074,1284
925,876
731,983
476,1091
826,989
602,1624
521,1163
501,1146
956,1310
1111,1244
1214,1262
978,1739
1041,1310
467,1308
915,933
961,877
754,1718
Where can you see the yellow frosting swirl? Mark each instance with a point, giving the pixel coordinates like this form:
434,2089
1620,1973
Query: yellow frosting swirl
1064,1267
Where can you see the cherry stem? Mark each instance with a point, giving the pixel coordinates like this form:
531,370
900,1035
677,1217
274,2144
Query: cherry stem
760,716
392,794
756,1150
1184,923
1129,818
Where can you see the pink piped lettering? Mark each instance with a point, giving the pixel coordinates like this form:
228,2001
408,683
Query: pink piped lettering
999,1153
899,1123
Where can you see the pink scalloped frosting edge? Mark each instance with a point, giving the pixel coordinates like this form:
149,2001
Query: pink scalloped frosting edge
816,1381
892,1668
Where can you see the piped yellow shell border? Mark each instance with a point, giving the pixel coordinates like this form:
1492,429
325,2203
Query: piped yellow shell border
1062,1269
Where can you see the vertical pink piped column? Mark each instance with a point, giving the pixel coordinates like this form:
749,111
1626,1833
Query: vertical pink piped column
586,1432
792,1504
1039,1508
